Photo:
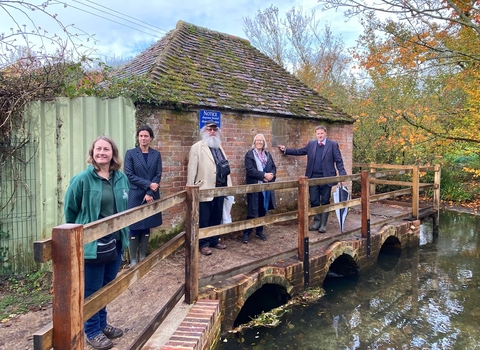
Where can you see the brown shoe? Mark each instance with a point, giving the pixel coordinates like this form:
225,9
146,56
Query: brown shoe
220,246
206,251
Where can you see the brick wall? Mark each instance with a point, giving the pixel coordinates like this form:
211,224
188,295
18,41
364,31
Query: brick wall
175,132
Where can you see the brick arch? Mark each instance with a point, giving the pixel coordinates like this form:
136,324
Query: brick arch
337,249
236,292
390,231
271,279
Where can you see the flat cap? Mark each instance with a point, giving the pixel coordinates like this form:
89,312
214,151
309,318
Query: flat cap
211,123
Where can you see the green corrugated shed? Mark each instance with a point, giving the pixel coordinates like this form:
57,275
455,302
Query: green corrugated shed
60,133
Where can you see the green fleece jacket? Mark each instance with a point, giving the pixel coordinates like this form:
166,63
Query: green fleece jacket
83,198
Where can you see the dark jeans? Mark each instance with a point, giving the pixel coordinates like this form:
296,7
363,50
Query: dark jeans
261,213
96,276
210,215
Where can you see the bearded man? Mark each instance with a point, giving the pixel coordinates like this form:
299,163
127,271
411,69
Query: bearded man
202,171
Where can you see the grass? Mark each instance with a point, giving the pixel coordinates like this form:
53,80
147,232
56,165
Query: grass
21,294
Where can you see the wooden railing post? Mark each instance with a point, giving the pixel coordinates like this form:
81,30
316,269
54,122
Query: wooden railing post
68,287
436,197
365,190
191,243
372,186
436,190
415,192
303,206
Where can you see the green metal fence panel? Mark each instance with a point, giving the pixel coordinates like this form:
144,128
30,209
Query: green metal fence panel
59,134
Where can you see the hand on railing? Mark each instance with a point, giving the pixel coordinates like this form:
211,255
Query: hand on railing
268,177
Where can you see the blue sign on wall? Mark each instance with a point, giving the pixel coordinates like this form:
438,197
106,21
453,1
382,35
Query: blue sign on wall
206,116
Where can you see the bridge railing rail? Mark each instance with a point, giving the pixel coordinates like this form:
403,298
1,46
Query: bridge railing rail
65,247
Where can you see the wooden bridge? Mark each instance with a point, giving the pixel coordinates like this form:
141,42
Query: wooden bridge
367,229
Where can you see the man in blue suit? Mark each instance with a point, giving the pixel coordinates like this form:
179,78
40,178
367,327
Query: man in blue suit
324,159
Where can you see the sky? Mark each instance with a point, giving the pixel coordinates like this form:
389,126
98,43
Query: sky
124,28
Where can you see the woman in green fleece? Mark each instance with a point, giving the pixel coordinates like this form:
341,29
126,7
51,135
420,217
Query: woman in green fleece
100,191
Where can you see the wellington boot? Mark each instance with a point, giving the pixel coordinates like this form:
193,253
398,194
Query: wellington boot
133,248
323,224
144,237
316,222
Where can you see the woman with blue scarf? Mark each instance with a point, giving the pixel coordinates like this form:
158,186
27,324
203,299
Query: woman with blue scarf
260,168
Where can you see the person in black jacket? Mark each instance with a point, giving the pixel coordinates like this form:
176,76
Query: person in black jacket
323,160
260,168
143,167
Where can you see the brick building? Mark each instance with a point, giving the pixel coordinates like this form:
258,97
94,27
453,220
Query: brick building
195,69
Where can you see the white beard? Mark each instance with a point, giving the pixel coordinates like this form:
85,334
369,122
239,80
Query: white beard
212,141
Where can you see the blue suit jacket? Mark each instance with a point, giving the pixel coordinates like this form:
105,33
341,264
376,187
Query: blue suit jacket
141,175
331,160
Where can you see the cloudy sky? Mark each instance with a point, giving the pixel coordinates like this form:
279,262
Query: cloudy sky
123,28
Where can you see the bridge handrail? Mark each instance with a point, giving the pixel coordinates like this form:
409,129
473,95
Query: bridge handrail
65,247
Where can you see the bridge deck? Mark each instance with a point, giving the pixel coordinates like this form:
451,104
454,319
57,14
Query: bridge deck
157,286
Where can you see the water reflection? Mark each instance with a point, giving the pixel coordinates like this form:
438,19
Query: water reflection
423,298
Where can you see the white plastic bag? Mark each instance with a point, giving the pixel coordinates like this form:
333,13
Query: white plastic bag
227,207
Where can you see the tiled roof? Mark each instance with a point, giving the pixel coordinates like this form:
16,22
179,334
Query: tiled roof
195,66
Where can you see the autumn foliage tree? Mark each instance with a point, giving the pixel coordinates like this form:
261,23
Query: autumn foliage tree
422,59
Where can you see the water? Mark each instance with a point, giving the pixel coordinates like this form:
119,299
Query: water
428,298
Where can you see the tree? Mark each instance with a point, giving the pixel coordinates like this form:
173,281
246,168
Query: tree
296,43
27,35
435,42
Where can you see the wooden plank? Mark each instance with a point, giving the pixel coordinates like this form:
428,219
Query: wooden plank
392,194
278,185
68,287
384,173
392,166
303,205
333,179
436,191
391,182
244,224
100,228
372,185
399,183
415,191
42,250
334,206
191,244
43,339
243,189
382,166
116,287
157,319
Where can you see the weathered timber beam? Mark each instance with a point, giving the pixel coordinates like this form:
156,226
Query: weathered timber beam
42,250
157,320
242,225
43,339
